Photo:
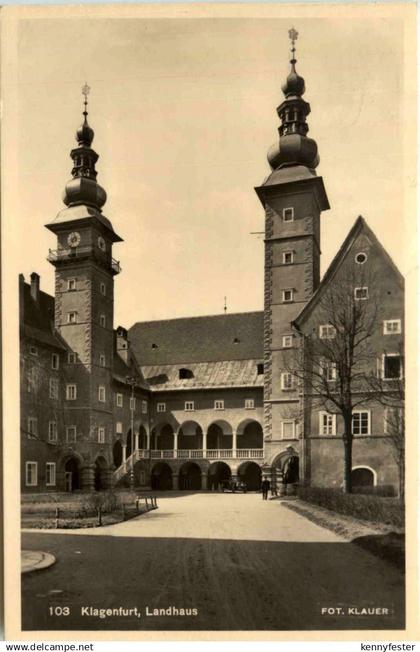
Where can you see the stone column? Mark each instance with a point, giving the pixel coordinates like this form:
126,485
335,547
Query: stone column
175,484
175,444
87,477
203,480
234,442
148,440
136,441
124,453
204,444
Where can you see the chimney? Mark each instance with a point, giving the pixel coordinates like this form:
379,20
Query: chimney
35,286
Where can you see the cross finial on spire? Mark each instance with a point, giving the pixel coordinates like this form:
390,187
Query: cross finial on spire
293,35
85,92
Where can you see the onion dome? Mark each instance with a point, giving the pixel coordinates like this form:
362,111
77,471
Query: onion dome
293,147
83,187
294,84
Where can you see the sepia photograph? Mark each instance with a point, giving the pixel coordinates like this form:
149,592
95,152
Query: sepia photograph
206,235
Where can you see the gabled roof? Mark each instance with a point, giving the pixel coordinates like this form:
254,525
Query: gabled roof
199,339
204,375
360,226
38,319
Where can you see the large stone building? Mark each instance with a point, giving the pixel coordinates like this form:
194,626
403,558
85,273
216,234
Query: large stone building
188,403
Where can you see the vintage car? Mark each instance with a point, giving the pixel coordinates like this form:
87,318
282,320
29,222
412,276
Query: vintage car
234,486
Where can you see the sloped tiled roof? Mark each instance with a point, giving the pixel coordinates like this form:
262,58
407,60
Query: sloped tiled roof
188,340
230,373
358,227
38,318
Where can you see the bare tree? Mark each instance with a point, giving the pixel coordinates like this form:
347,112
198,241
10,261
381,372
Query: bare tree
390,394
335,360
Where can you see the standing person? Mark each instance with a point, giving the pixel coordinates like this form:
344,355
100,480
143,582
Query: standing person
265,486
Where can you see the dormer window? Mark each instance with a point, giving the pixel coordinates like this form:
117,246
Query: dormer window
288,214
185,373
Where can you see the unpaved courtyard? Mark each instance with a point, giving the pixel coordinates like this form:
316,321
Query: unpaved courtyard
241,563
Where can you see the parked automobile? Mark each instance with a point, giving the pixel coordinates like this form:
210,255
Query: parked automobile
234,486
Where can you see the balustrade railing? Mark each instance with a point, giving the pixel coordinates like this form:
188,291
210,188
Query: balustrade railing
187,454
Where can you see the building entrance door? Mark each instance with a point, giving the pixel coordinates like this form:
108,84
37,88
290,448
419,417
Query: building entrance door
68,481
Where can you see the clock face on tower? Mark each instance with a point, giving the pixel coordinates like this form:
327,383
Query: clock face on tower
101,243
73,239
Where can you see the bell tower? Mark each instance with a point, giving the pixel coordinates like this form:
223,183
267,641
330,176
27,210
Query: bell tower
84,306
293,197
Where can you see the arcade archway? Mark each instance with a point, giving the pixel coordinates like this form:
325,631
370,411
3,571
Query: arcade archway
189,476
219,472
161,477
250,473
72,474
101,468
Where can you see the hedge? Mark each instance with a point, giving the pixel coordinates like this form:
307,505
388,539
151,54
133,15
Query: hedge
366,507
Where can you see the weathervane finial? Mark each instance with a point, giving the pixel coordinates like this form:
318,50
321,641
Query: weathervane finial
293,35
85,92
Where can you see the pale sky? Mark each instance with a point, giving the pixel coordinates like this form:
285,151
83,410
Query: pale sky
184,111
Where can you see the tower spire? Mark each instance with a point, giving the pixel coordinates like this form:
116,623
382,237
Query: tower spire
294,147
83,187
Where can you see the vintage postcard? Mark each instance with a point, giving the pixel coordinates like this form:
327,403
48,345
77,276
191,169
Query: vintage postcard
208,232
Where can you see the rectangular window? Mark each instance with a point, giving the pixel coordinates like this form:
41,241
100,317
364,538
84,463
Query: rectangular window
33,350
392,326
71,392
54,388
119,400
144,407
287,257
391,366
102,360
119,427
249,404
286,380
161,407
361,422
132,403
326,332
101,435
50,474
102,319
31,474
288,214
55,361
71,358
328,370
72,317
71,434
287,341
219,405
327,423
31,380
33,426
52,432
189,406
103,289
101,394
361,293
287,296
71,284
